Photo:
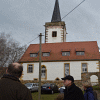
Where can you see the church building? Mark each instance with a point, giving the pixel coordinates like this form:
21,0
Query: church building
60,58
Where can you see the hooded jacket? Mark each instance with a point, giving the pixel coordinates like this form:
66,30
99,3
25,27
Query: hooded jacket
12,89
88,95
73,93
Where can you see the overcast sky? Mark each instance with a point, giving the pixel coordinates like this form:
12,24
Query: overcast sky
24,19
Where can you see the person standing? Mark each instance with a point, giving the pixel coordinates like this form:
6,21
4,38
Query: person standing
89,93
10,85
71,91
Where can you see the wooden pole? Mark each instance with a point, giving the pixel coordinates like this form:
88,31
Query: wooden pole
39,95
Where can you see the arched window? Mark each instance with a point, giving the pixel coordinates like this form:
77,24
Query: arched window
43,72
35,79
57,79
66,69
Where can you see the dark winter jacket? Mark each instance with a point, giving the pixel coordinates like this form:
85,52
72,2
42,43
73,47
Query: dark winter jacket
12,89
88,95
73,93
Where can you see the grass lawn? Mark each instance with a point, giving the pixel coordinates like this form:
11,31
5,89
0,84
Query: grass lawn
44,96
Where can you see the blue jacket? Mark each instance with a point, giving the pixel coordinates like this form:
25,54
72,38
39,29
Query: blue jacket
88,95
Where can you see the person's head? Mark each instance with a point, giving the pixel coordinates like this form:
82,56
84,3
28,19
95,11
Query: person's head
68,80
15,69
86,84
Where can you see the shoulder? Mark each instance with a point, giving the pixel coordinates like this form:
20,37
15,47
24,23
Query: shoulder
22,89
22,86
78,89
90,93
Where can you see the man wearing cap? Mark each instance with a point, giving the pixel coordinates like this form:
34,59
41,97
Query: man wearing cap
71,91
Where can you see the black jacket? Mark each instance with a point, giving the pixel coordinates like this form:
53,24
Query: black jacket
73,93
12,89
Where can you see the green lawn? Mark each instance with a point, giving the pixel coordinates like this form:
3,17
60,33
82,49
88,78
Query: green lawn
44,96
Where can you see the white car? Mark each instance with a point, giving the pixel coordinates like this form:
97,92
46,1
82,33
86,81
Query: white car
32,86
61,89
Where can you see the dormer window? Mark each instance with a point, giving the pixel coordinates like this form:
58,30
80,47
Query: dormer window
54,34
33,54
46,54
67,53
79,52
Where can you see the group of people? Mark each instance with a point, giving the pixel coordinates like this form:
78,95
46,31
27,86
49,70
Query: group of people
72,92
12,89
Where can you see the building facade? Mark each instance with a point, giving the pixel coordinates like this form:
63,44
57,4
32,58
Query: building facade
60,58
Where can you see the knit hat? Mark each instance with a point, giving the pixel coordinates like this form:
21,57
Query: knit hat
68,77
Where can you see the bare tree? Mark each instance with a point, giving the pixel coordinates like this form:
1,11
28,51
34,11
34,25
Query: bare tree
10,50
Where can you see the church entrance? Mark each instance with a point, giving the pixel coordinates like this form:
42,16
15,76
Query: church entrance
43,72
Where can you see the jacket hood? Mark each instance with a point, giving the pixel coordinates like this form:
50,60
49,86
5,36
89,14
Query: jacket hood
90,89
11,77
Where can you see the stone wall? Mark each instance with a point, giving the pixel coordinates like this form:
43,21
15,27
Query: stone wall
86,76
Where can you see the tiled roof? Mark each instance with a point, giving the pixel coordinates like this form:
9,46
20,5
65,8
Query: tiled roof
55,49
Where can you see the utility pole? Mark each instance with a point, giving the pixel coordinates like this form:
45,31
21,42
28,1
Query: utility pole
39,95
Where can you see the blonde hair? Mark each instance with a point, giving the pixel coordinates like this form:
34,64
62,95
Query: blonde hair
87,84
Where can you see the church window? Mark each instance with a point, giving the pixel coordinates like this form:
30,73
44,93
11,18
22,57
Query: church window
57,79
66,69
30,68
54,34
33,54
84,67
65,53
46,54
43,72
80,53
35,79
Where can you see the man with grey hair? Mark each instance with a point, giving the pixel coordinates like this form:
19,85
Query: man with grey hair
10,85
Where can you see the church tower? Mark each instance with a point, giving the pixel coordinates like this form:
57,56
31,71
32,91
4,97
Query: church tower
55,31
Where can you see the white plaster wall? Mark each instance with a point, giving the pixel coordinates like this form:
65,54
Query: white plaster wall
56,69
54,39
30,76
64,34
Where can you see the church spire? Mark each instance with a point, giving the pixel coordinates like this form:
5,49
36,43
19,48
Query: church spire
56,13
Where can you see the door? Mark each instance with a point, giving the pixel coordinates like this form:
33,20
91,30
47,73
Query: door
43,72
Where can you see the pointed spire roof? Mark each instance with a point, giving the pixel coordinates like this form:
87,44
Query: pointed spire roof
56,13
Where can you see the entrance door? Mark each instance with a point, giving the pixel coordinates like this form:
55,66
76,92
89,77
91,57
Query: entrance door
43,72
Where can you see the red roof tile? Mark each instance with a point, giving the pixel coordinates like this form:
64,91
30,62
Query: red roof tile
79,49
90,47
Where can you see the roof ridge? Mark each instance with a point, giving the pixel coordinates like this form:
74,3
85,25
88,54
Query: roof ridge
65,42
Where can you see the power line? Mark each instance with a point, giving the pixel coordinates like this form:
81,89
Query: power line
73,9
34,38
